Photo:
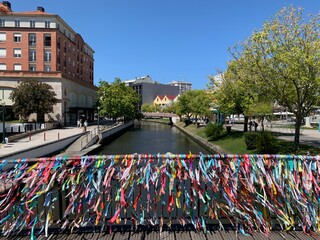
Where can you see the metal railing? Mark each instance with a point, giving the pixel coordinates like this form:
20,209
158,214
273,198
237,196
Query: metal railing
247,191
90,135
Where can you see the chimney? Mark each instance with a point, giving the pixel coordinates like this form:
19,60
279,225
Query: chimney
40,9
7,5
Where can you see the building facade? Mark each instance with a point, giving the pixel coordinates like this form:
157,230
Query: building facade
39,45
164,101
183,86
149,89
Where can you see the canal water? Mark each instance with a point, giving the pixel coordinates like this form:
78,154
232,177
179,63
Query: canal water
154,138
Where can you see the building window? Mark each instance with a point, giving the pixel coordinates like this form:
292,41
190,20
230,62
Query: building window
3,66
17,23
47,24
17,52
2,23
3,52
32,55
17,67
3,37
17,37
47,55
47,40
32,67
32,39
47,68
32,23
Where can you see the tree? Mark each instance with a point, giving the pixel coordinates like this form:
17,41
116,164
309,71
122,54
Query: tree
149,107
193,102
171,108
239,93
32,96
117,100
200,103
232,95
284,57
183,106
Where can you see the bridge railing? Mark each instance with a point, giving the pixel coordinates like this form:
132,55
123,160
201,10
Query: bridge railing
154,114
90,135
250,192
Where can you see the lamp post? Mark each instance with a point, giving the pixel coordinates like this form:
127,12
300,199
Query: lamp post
3,123
98,120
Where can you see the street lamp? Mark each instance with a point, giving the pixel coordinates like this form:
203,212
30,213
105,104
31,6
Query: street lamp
98,119
3,122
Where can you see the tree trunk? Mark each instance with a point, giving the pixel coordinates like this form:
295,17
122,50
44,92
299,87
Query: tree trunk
245,126
262,124
298,123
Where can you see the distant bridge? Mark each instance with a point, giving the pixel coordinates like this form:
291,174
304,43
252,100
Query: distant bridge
158,115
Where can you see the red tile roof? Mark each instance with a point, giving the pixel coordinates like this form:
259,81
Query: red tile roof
4,9
171,97
31,13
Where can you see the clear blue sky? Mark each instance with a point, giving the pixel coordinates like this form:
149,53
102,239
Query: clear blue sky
167,39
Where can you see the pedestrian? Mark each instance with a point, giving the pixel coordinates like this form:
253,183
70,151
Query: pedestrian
85,125
250,125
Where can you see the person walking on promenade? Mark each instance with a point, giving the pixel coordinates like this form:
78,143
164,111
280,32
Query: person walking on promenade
85,125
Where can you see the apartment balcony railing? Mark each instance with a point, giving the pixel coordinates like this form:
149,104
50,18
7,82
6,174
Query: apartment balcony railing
251,192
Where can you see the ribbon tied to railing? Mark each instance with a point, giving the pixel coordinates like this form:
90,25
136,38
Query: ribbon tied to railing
250,192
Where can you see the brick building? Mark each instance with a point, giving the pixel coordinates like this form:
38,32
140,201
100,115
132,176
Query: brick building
39,45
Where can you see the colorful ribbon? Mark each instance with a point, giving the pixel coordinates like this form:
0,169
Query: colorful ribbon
252,192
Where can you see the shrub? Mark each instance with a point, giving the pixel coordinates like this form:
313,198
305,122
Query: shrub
214,131
267,143
251,140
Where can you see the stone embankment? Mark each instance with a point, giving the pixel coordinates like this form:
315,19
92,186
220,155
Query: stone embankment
212,148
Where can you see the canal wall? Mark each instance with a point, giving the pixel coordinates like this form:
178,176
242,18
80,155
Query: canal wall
212,148
92,146
46,149
114,132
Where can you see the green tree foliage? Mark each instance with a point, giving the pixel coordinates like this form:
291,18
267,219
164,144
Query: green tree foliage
117,100
183,106
147,107
285,57
282,61
193,103
171,108
239,93
232,94
32,96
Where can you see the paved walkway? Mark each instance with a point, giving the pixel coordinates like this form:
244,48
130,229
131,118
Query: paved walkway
307,136
38,139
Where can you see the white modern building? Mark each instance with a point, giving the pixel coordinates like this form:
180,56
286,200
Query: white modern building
183,86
